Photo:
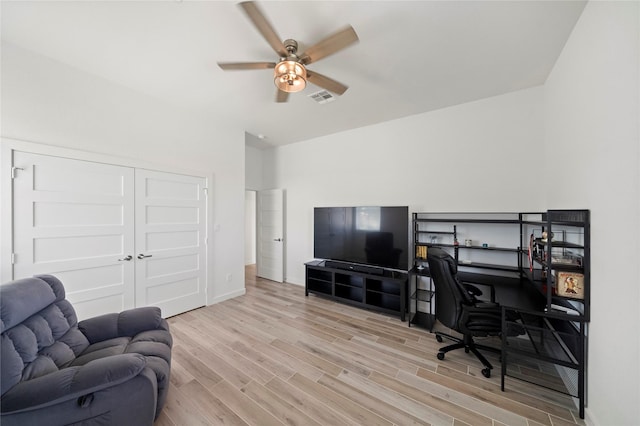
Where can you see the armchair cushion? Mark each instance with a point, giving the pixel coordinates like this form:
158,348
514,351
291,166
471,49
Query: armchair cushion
126,323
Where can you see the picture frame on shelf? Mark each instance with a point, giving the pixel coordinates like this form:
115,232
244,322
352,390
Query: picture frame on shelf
570,284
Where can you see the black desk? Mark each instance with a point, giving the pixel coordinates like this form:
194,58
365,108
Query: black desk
511,292
553,337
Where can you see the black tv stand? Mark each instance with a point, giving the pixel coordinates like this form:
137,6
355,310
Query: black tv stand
366,269
363,286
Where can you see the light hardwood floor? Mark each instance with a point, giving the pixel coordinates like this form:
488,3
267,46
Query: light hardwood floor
274,357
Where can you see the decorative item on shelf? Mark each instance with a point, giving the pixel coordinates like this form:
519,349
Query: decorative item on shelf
570,284
564,309
455,242
434,239
566,258
546,236
468,242
485,245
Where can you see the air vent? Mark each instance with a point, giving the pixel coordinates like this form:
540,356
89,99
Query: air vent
322,97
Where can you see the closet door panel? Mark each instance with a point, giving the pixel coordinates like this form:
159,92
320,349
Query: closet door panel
170,241
74,219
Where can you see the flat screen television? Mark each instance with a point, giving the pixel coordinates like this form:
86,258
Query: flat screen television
364,235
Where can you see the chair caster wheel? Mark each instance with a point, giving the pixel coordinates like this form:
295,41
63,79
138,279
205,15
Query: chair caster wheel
466,350
440,356
439,338
486,372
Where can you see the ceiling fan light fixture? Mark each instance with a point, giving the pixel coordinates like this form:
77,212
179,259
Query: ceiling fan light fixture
290,76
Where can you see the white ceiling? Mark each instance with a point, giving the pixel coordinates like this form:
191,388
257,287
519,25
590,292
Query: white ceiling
413,56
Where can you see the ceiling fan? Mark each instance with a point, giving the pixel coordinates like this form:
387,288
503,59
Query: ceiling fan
290,73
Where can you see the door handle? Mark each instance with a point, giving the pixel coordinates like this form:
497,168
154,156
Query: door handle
142,256
125,259
277,239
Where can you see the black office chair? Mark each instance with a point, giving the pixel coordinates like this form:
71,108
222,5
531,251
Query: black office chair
458,309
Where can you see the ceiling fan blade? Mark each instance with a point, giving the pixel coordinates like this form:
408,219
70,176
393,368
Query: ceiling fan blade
282,96
264,27
229,66
329,45
326,82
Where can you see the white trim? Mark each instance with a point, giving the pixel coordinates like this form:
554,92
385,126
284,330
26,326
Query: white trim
6,215
228,296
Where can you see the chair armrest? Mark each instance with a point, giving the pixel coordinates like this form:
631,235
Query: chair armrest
481,320
475,291
488,305
472,289
71,383
483,308
126,323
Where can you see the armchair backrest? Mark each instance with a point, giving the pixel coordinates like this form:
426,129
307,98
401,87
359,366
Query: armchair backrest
450,295
39,330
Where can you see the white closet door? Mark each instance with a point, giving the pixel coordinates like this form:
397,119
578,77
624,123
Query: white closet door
170,241
74,219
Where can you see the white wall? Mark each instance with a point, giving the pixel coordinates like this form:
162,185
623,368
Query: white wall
481,156
254,182
593,143
253,168
50,103
507,154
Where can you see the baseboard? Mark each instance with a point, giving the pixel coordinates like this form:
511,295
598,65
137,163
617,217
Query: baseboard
589,420
295,280
227,296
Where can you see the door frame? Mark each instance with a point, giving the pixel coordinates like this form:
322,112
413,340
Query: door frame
251,219
7,148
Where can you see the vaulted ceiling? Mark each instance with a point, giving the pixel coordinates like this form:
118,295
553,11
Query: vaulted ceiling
412,57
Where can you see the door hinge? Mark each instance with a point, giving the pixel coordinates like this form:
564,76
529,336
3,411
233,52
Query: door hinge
13,258
206,191
14,171
206,241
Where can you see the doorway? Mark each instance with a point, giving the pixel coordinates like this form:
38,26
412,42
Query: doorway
264,232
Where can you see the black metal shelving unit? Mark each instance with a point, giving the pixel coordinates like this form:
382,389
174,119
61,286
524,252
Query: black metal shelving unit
552,274
559,267
421,291
445,227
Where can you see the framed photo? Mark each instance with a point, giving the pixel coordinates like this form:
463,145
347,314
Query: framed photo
570,284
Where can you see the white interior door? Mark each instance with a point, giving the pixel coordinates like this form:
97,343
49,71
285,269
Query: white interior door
170,232
74,219
270,258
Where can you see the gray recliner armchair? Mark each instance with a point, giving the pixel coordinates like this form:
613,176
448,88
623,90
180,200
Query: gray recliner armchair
110,369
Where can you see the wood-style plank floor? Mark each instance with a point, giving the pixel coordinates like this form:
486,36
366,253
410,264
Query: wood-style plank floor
276,357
